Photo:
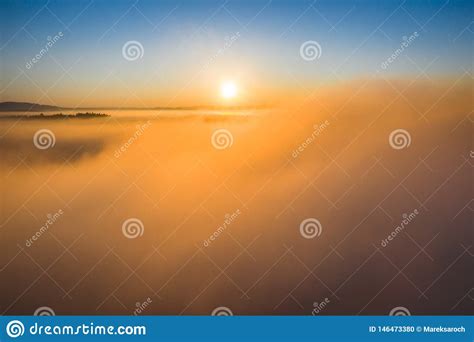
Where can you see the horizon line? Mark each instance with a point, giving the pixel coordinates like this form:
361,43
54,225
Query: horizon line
50,108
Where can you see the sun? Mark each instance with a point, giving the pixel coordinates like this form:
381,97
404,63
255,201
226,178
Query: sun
228,90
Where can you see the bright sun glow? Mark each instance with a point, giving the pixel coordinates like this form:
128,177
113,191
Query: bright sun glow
228,90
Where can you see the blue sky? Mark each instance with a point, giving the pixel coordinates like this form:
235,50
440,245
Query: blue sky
182,40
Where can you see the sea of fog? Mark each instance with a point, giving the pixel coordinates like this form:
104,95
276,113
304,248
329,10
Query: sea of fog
185,214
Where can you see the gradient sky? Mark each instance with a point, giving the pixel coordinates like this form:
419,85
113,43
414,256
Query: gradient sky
182,64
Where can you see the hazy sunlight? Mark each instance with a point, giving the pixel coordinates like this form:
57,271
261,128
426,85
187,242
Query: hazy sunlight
228,90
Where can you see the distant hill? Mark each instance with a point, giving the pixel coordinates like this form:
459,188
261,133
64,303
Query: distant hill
26,107
35,107
58,116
